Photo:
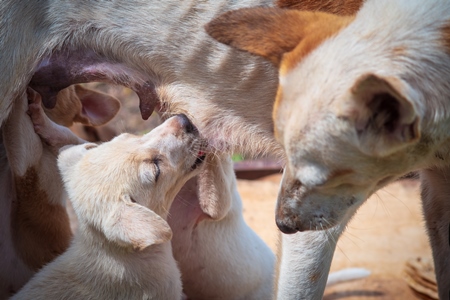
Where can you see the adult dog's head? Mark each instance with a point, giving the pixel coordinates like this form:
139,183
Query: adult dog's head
124,188
348,110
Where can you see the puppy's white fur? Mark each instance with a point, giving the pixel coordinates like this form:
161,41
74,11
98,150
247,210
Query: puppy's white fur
221,257
121,192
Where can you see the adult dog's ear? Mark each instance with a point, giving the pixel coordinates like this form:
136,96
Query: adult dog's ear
132,225
214,187
272,32
97,108
384,115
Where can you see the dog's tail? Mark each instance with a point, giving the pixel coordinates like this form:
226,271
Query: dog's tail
347,275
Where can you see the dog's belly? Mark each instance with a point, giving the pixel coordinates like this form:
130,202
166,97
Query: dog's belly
70,66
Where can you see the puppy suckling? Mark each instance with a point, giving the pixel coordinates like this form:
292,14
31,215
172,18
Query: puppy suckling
121,192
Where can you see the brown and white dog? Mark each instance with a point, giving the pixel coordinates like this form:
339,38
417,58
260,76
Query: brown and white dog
362,100
34,224
121,191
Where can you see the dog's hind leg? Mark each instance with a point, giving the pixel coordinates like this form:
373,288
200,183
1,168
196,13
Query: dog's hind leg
436,208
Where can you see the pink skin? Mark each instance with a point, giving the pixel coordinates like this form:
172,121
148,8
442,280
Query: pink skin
66,67
185,213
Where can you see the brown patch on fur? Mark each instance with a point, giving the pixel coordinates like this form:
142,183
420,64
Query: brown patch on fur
338,7
320,28
314,277
272,32
315,33
399,51
41,230
445,31
257,30
267,32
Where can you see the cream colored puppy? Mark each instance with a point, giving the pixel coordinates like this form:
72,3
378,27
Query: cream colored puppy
121,192
220,257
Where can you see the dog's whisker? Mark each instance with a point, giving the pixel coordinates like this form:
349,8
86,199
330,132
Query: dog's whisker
326,235
380,200
396,198
350,237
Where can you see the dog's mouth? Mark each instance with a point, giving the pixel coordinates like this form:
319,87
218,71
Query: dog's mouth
201,154
199,160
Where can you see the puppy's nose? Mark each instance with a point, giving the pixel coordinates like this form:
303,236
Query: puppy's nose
186,123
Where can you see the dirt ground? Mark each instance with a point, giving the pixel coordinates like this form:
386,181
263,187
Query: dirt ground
386,231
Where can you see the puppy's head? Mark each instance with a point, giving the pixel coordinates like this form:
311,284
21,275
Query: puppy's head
347,128
124,188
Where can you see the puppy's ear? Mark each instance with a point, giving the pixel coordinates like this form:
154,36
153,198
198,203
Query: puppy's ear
70,155
133,225
272,32
97,108
384,115
215,186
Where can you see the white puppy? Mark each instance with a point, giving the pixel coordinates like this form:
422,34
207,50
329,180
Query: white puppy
220,256
121,192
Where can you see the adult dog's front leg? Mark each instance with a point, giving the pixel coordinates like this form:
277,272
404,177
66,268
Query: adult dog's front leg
436,207
305,263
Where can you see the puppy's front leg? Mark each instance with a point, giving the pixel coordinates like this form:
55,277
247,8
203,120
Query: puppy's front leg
436,207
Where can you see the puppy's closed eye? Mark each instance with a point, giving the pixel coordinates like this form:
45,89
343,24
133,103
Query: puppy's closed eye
150,170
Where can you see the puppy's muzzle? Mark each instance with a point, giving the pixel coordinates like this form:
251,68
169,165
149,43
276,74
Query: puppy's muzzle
190,128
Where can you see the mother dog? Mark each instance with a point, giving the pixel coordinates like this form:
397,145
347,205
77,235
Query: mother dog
373,107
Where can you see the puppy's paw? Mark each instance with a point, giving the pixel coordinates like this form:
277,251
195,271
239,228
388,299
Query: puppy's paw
36,113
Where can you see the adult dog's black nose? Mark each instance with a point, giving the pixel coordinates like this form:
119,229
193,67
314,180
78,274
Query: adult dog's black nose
284,228
186,123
